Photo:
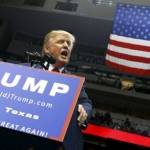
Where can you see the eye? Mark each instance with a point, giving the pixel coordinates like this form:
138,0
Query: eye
69,43
60,41
63,41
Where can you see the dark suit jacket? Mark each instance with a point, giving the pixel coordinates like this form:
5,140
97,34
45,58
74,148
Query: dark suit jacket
74,139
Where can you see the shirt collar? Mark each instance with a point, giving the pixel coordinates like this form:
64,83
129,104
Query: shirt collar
51,67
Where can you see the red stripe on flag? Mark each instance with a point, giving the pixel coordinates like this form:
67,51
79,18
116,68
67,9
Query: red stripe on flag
135,71
128,57
130,46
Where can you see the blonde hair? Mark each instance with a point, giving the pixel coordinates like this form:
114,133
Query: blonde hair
54,33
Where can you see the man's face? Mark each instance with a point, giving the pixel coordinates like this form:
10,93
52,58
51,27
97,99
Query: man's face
60,47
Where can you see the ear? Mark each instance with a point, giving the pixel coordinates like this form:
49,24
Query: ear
45,49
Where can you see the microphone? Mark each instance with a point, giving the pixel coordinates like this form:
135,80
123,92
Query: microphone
35,56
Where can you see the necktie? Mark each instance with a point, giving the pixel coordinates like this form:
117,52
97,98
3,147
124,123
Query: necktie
55,69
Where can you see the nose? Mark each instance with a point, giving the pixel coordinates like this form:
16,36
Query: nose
65,44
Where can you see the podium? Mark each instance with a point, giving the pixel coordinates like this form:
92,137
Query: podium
37,106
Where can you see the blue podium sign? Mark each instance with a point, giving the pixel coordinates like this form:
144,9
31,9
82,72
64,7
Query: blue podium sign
37,102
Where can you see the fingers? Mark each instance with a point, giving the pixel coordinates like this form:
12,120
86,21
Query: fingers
82,114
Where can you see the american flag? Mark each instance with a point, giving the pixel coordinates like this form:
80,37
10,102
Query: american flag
129,45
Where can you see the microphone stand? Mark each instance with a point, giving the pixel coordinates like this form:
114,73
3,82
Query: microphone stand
36,58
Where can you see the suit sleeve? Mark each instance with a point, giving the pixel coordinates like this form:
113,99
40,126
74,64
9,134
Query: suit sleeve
85,102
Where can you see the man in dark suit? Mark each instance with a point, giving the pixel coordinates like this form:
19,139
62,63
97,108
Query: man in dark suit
59,45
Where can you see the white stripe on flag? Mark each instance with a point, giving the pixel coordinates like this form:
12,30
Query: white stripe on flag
128,51
129,40
124,62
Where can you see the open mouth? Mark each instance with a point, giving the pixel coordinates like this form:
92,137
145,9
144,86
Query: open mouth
64,53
